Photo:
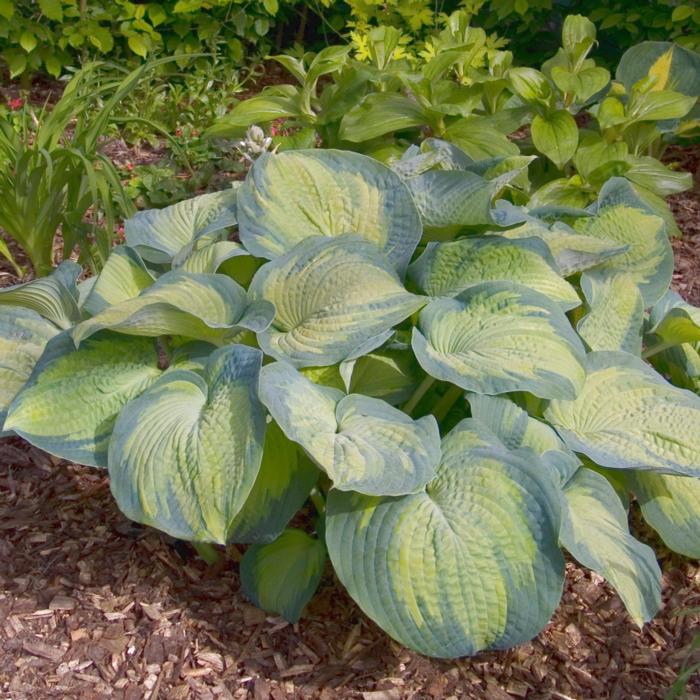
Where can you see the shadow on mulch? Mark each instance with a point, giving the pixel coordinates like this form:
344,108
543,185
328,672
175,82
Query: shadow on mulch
93,606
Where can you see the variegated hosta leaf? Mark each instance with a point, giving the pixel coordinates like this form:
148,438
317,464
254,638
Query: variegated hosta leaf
54,297
682,364
282,577
160,233
616,313
284,482
573,252
595,531
446,269
363,444
23,337
293,195
184,455
671,505
331,295
649,260
628,416
468,563
202,306
516,429
497,337
70,403
211,256
673,321
123,277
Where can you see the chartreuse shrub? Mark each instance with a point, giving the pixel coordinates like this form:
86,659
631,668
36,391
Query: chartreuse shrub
460,387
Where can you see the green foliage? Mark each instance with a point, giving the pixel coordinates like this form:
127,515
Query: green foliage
415,352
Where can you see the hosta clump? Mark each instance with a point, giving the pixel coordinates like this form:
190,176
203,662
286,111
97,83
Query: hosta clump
461,387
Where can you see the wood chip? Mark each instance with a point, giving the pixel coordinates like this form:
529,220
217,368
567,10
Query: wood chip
45,651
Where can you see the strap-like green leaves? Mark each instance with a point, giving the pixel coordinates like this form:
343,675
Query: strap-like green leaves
671,505
160,233
497,337
628,416
445,269
72,399
364,444
470,562
282,577
202,306
184,456
23,337
293,195
331,295
595,531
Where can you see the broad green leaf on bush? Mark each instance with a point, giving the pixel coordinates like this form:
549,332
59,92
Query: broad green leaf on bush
555,135
661,105
294,195
649,259
651,174
671,65
123,277
469,562
23,337
331,295
515,429
184,455
445,269
615,316
673,321
380,113
452,198
530,84
627,416
363,444
283,484
258,109
497,337
583,84
54,297
69,405
595,531
158,234
282,577
201,306
479,141
671,505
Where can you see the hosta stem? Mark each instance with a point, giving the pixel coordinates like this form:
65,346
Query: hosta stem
418,394
207,552
318,501
443,406
654,349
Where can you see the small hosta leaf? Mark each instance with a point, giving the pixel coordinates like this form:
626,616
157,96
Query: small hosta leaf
627,416
331,295
293,195
364,444
184,455
673,321
469,563
595,531
69,405
497,337
282,577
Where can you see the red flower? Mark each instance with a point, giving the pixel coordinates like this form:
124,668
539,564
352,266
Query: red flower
178,131
129,166
15,103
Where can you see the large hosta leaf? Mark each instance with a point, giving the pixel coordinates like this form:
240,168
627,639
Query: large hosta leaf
123,277
616,313
202,306
671,505
674,322
595,531
649,259
293,195
470,562
23,337
446,269
54,297
497,337
73,397
283,484
628,416
364,444
184,455
160,233
331,296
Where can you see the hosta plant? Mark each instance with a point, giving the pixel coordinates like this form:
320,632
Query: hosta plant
452,389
